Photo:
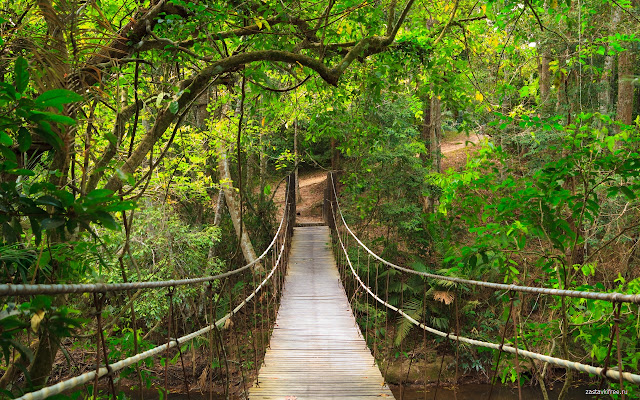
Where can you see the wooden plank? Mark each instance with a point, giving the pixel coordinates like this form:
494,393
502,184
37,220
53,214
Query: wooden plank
317,351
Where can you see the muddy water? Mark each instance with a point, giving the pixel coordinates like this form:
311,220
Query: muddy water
480,392
464,392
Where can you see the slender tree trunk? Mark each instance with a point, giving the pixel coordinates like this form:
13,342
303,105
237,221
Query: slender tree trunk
604,94
435,132
43,360
431,135
334,155
296,160
424,132
562,102
545,78
263,165
427,201
233,204
217,219
626,61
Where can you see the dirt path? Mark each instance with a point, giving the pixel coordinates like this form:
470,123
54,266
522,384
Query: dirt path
309,206
312,184
459,141
456,147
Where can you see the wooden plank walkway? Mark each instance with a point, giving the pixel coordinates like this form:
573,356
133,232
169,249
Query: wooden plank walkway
316,351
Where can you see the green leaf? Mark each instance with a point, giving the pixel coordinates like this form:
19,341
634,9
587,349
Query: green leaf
159,99
5,139
473,261
106,220
173,107
99,193
40,302
65,197
51,223
60,119
57,98
22,172
35,228
22,349
126,177
611,142
10,91
628,192
8,154
24,139
49,136
48,200
21,71
111,138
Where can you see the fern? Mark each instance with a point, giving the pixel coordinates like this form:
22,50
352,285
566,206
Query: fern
413,308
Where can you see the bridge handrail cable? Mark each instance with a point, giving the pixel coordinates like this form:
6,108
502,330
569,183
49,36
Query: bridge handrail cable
612,297
609,372
20,289
111,368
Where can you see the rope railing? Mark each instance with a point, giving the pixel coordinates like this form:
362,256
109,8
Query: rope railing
612,297
111,368
11,289
278,247
613,374
333,209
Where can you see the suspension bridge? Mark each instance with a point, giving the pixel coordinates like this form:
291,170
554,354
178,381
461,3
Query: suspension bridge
293,333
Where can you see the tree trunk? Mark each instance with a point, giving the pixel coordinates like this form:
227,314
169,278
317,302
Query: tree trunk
233,204
263,165
431,135
562,102
334,155
219,208
296,159
43,359
545,78
216,222
604,94
625,87
424,133
435,133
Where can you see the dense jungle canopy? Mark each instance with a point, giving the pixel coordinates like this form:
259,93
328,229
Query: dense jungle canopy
145,140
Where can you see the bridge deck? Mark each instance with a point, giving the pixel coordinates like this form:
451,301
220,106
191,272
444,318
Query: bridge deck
317,351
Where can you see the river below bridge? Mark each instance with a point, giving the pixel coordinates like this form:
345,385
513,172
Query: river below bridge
465,392
481,391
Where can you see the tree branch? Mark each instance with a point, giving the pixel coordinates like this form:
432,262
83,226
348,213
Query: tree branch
111,150
364,48
123,45
453,14
403,16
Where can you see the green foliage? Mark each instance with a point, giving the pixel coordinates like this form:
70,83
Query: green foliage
551,215
165,247
57,321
